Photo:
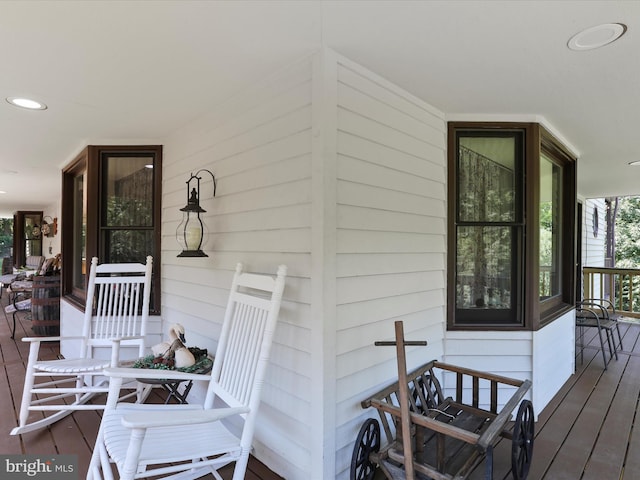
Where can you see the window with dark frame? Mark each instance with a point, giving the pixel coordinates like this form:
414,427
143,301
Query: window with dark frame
488,226
511,192
112,197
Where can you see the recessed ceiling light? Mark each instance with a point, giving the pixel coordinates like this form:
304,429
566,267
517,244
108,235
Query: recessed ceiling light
596,37
2,191
26,103
635,163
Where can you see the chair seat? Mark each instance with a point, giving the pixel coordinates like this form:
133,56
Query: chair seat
21,306
591,322
6,279
160,447
73,365
592,315
21,286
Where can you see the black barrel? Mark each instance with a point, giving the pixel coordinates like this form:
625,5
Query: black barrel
45,305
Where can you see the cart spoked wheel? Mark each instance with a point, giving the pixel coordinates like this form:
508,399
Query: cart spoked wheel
427,386
367,442
522,444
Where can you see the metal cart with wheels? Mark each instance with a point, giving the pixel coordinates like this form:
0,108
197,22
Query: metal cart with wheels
446,438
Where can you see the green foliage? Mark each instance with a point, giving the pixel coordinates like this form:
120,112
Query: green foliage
6,237
126,242
627,250
627,232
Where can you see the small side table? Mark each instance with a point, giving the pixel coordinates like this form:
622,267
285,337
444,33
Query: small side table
172,386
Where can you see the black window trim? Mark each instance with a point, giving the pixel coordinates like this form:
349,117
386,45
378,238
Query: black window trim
90,159
535,313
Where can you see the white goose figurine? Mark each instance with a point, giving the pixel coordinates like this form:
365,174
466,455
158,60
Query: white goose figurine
182,357
176,332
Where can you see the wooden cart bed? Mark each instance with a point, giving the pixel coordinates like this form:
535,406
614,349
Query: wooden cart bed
448,436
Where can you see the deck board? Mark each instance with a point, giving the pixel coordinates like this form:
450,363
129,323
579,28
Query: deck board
74,434
572,458
585,430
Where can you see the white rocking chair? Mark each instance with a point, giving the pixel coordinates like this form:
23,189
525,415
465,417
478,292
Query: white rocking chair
190,441
118,317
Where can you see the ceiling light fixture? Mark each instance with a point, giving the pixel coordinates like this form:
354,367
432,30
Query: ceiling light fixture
596,37
635,163
27,103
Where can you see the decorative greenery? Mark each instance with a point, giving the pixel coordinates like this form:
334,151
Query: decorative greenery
203,363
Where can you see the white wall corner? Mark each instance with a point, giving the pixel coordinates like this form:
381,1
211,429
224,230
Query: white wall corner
553,359
323,263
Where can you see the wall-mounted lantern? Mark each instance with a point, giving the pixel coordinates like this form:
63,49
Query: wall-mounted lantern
191,234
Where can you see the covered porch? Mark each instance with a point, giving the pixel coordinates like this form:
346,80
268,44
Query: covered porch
337,168
585,432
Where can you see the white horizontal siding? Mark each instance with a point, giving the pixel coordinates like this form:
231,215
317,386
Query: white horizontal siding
390,238
546,357
379,198
553,353
362,313
503,353
259,146
593,254
261,105
341,176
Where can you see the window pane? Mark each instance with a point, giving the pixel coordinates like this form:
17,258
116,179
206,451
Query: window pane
484,270
32,235
79,264
486,179
128,183
125,246
550,181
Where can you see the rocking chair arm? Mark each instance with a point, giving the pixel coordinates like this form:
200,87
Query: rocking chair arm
153,374
123,339
50,339
180,418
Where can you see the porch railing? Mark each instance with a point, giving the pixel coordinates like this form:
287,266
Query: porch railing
619,285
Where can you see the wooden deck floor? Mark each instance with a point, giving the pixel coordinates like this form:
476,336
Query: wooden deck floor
74,434
588,431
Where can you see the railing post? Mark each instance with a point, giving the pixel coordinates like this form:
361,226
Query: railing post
586,284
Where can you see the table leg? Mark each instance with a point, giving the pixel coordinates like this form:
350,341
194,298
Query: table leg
174,392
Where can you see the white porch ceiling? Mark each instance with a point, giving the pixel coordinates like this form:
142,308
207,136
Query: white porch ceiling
134,71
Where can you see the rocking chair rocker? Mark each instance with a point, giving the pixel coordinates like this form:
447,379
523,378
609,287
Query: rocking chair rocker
190,441
118,317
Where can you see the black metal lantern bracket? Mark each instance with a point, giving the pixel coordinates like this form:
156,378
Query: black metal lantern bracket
191,231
